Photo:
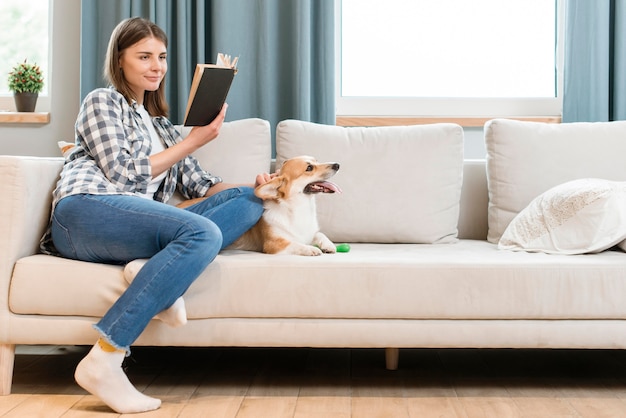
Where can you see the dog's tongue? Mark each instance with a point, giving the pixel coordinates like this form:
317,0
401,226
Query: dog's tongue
323,187
330,187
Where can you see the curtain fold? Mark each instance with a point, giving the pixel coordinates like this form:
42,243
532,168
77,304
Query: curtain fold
595,61
285,49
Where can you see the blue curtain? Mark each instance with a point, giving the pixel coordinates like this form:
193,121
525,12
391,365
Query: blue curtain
595,61
285,49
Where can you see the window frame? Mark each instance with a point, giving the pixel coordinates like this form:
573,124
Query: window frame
351,111
7,103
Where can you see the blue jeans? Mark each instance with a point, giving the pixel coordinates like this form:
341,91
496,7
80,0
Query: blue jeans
179,244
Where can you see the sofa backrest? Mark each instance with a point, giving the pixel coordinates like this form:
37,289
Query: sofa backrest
401,184
474,201
525,159
242,150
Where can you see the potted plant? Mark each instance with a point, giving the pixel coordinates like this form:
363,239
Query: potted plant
25,81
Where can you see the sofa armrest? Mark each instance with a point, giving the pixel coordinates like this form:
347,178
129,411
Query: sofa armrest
25,201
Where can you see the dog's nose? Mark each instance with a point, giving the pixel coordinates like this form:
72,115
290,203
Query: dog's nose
335,166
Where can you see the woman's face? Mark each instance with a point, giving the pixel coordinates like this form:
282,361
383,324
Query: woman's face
144,65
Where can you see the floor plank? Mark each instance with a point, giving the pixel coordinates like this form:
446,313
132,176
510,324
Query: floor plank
333,383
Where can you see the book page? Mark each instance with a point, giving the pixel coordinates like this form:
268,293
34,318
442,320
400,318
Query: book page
226,61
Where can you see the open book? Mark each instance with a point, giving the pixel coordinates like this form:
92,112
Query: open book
209,88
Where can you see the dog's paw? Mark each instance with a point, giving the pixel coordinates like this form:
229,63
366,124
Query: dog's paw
324,244
328,249
308,250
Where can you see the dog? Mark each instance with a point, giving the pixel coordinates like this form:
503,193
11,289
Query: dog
289,223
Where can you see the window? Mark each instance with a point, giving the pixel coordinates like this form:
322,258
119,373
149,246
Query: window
481,58
24,36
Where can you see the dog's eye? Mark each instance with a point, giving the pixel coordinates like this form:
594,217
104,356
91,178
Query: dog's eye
309,167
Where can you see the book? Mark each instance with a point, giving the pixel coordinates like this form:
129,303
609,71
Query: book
209,88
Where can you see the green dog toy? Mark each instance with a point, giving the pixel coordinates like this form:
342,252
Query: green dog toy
343,248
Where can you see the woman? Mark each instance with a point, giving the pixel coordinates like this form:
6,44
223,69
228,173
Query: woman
108,205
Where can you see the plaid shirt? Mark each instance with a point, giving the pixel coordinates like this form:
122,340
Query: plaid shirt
112,156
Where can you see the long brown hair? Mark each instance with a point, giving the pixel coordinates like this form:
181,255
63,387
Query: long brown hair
127,33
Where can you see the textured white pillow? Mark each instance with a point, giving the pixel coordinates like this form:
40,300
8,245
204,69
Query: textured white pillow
577,217
524,159
400,184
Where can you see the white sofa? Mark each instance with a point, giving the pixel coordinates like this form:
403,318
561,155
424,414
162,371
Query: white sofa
424,269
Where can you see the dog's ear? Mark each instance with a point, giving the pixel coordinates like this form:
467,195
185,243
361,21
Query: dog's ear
269,190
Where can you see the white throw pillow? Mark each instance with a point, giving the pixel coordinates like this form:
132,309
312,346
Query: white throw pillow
577,217
524,159
400,184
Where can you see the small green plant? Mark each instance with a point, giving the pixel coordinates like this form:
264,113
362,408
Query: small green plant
26,77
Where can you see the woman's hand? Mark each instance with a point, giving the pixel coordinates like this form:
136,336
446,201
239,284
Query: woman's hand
198,137
263,178
207,133
260,179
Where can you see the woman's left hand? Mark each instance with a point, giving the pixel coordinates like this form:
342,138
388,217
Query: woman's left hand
263,178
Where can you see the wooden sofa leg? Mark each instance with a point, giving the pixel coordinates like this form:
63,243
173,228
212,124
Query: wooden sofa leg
391,358
7,358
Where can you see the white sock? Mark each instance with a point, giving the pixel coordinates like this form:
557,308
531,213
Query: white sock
100,373
175,315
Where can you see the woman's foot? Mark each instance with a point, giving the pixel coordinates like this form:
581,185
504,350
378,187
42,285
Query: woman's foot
100,373
175,315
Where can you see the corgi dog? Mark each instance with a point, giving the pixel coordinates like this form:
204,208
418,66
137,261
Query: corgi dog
289,223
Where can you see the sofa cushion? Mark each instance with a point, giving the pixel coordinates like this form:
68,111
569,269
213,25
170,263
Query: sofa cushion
468,280
524,159
242,150
400,184
64,286
577,217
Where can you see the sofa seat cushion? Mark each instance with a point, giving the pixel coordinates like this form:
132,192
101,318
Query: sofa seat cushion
467,280
48,285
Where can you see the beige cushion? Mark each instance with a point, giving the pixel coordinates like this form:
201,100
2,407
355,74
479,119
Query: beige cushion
577,217
242,150
467,280
524,159
400,184
64,286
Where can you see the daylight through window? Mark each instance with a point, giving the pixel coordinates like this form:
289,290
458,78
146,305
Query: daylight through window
24,26
448,49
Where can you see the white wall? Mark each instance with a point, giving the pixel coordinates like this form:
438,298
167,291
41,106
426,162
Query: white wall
41,140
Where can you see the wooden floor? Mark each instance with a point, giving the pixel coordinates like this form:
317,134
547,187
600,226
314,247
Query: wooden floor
334,383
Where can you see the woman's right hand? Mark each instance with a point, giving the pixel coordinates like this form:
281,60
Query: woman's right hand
198,137
207,133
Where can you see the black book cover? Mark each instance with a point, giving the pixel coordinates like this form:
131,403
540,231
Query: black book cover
208,92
